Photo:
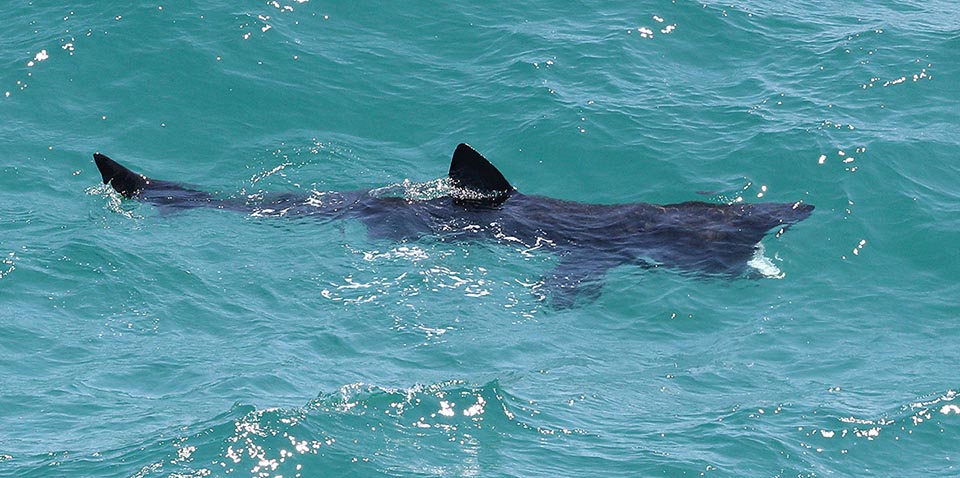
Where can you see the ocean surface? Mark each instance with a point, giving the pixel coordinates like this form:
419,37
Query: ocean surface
138,343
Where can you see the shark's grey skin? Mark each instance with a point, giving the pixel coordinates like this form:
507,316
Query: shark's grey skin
704,238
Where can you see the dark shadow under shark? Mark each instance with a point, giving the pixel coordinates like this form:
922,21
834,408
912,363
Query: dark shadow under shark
695,236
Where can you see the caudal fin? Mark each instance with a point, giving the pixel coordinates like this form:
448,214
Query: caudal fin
124,181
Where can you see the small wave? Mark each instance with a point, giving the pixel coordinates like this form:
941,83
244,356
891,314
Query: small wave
416,191
429,190
927,417
8,264
114,201
359,430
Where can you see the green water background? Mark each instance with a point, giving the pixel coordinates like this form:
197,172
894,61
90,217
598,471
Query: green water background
208,343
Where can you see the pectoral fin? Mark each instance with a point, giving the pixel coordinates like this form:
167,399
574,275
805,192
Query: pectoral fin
578,277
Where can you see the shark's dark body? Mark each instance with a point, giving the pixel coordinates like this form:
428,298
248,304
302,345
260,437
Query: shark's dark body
590,238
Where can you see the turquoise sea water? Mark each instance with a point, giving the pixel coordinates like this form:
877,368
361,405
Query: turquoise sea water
210,343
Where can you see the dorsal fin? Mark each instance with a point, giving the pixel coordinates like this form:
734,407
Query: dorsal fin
470,170
124,181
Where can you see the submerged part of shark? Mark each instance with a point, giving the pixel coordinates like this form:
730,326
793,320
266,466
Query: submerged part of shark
695,236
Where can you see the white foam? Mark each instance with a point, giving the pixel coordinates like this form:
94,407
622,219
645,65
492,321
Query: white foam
764,265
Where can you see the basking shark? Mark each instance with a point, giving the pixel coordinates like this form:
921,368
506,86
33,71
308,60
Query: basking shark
590,239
